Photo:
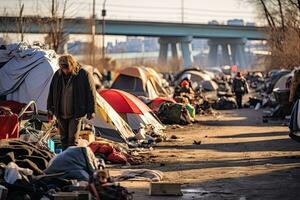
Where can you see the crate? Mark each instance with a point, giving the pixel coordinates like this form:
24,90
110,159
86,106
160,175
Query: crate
87,135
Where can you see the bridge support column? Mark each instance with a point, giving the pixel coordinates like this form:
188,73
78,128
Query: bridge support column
225,55
186,49
213,53
238,54
163,51
174,49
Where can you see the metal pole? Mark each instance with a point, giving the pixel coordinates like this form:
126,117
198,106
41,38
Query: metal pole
93,34
103,32
21,22
182,11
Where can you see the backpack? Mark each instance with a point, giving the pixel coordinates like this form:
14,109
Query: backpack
239,85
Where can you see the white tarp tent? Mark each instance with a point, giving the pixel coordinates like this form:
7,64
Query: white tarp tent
26,73
281,84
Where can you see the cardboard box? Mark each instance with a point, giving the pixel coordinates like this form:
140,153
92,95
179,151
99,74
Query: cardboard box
165,189
87,135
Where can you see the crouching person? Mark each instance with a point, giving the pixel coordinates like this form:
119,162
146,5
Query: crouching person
72,96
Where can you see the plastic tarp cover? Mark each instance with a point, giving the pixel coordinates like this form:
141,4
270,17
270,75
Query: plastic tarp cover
76,162
27,74
282,82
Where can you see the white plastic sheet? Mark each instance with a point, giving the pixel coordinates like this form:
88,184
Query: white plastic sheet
27,73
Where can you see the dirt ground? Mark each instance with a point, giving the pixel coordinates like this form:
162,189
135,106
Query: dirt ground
239,158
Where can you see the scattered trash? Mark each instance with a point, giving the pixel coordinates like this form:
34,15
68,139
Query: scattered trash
140,174
197,142
174,137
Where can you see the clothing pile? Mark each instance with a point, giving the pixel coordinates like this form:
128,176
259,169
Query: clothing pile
113,154
75,169
141,174
24,155
225,103
175,113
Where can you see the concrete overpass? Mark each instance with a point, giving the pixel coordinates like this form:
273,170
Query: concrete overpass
231,38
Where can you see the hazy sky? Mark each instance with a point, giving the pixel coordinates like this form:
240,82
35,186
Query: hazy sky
195,11
154,10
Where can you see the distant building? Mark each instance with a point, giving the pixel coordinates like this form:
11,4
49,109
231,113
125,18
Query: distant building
235,22
213,22
77,47
134,44
250,24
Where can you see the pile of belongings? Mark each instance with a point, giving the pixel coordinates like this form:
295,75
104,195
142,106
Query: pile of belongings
155,104
75,169
114,154
256,79
80,164
225,103
25,155
176,113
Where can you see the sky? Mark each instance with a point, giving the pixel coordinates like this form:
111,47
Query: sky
154,10
195,11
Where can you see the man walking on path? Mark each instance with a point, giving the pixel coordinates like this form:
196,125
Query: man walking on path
72,96
239,87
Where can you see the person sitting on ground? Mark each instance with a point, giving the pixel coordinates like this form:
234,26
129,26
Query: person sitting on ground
72,96
239,88
186,91
185,77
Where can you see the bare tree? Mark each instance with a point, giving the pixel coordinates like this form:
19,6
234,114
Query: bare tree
56,37
20,20
283,19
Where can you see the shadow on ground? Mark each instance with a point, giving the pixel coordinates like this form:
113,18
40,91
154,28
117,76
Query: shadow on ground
285,144
239,117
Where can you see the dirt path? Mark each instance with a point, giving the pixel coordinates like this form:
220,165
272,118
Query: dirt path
238,158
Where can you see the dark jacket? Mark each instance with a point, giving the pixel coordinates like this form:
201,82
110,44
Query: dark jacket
84,94
239,85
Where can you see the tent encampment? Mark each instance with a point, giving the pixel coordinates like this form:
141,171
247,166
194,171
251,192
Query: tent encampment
209,85
131,109
282,82
26,75
139,82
